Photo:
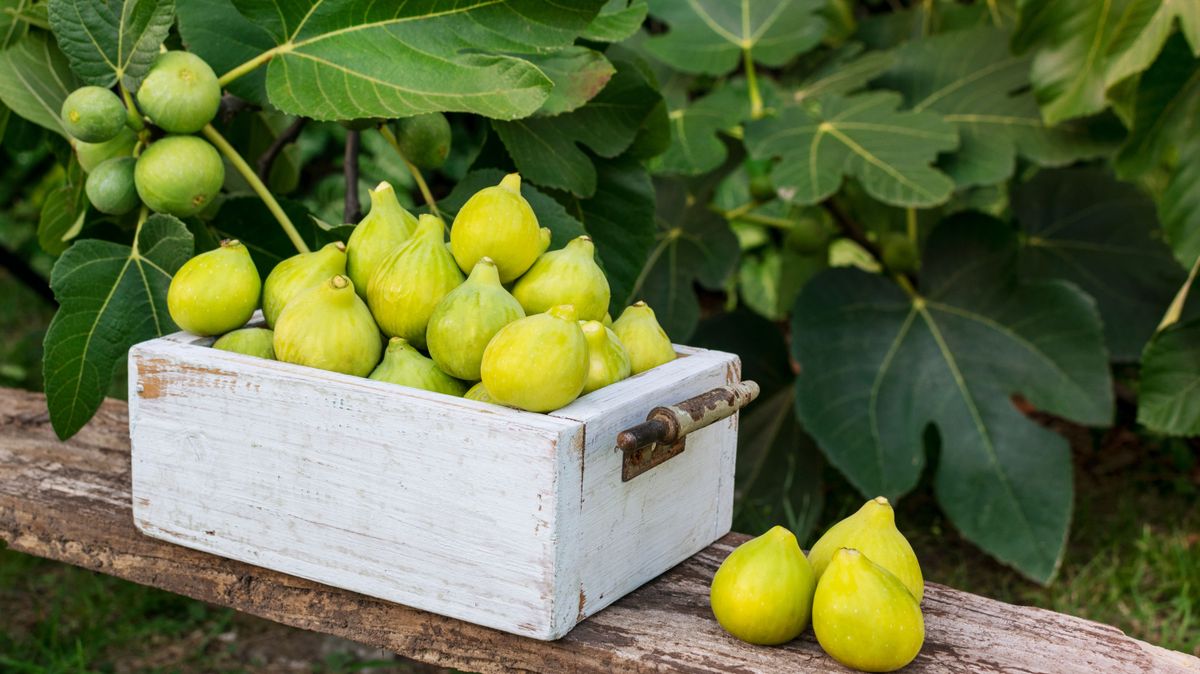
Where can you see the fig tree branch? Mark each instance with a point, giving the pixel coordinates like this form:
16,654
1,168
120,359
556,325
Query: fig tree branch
250,65
852,231
289,135
412,168
351,212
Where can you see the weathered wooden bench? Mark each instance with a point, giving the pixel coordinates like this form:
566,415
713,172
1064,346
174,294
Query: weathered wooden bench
70,502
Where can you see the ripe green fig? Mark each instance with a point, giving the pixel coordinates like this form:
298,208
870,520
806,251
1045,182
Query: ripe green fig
466,320
180,93
538,363
216,291
497,222
179,175
478,392
864,617
93,114
110,187
404,365
566,276
900,254
409,284
258,342
607,320
384,229
608,362
91,155
872,531
299,273
643,337
762,593
424,139
330,328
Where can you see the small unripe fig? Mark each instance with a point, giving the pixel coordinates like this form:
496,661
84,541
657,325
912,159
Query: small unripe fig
864,617
497,222
256,342
379,234
643,337
466,320
179,175
299,273
538,363
566,276
759,173
93,114
110,186
810,232
762,593
180,93
424,139
478,392
410,283
608,362
404,365
91,155
215,291
900,254
872,531
328,327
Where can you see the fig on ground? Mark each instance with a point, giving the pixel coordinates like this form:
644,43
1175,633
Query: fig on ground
872,531
538,363
608,362
863,615
643,337
91,155
329,327
179,175
763,591
216,291
110,186
299,273
497,222
566,276
410,283
404,365
180,93
379,234
467,318
424,139
258,342
93,114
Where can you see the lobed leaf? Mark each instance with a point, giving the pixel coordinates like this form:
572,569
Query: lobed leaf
225,39
1167,395
617,20
63,213
1165,107
1179,206
35,79
112,42
577,74
695,146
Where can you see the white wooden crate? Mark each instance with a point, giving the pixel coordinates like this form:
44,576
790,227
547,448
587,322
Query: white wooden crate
504,518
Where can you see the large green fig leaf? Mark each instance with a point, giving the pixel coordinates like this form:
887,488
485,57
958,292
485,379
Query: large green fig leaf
1165,108
972,80
1179,206
110,297
577,74
710,37
110,42
843,71
225,39
822,140
63,212
879,365
35,79
347,59
1083,226
695,147
11,30
617,20
1169,394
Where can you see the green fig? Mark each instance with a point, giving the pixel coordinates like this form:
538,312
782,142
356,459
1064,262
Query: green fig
110,187
257,342
466,320
179,175
863,615
299,273
402,364
92,155
872,531
409,284
566,276
329,327
215,291
643,337
538,363
480,393
900,254
180,93
608,362
424,139
93,114
497,222
762,593
607,320
384,229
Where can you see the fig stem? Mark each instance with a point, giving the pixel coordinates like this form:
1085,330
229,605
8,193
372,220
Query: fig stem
756,103
416,172
253,63
131,110
255,184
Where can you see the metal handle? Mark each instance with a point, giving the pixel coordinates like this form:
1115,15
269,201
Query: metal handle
662,435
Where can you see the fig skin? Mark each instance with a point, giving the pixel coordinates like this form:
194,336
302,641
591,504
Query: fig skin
93,114
110,187
566,276
257,342
872,531
497,222
330,328
763,591
424,139
608,362
863,615
299,273
180,93
379,234
538,363
644,339
402,364
466,320
479,392
179,175
900,254
91,155
410,283
216,291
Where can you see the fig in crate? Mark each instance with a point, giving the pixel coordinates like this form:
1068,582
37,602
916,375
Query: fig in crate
538,363
466,320
299,273
257,342
384,229
608,363
410,283
644,339
215,291
404,365
566,276
329,327
497,222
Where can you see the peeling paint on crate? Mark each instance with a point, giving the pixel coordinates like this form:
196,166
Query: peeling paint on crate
157,375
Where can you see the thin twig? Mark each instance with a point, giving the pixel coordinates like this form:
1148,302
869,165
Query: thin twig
353,211
21,270
232,105
422,186
852,231
290,134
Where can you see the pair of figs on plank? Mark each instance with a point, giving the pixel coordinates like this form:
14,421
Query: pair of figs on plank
861,585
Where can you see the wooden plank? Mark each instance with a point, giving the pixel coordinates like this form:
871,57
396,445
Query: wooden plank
71,502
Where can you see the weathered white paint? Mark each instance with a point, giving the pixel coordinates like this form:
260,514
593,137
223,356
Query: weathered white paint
504,518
